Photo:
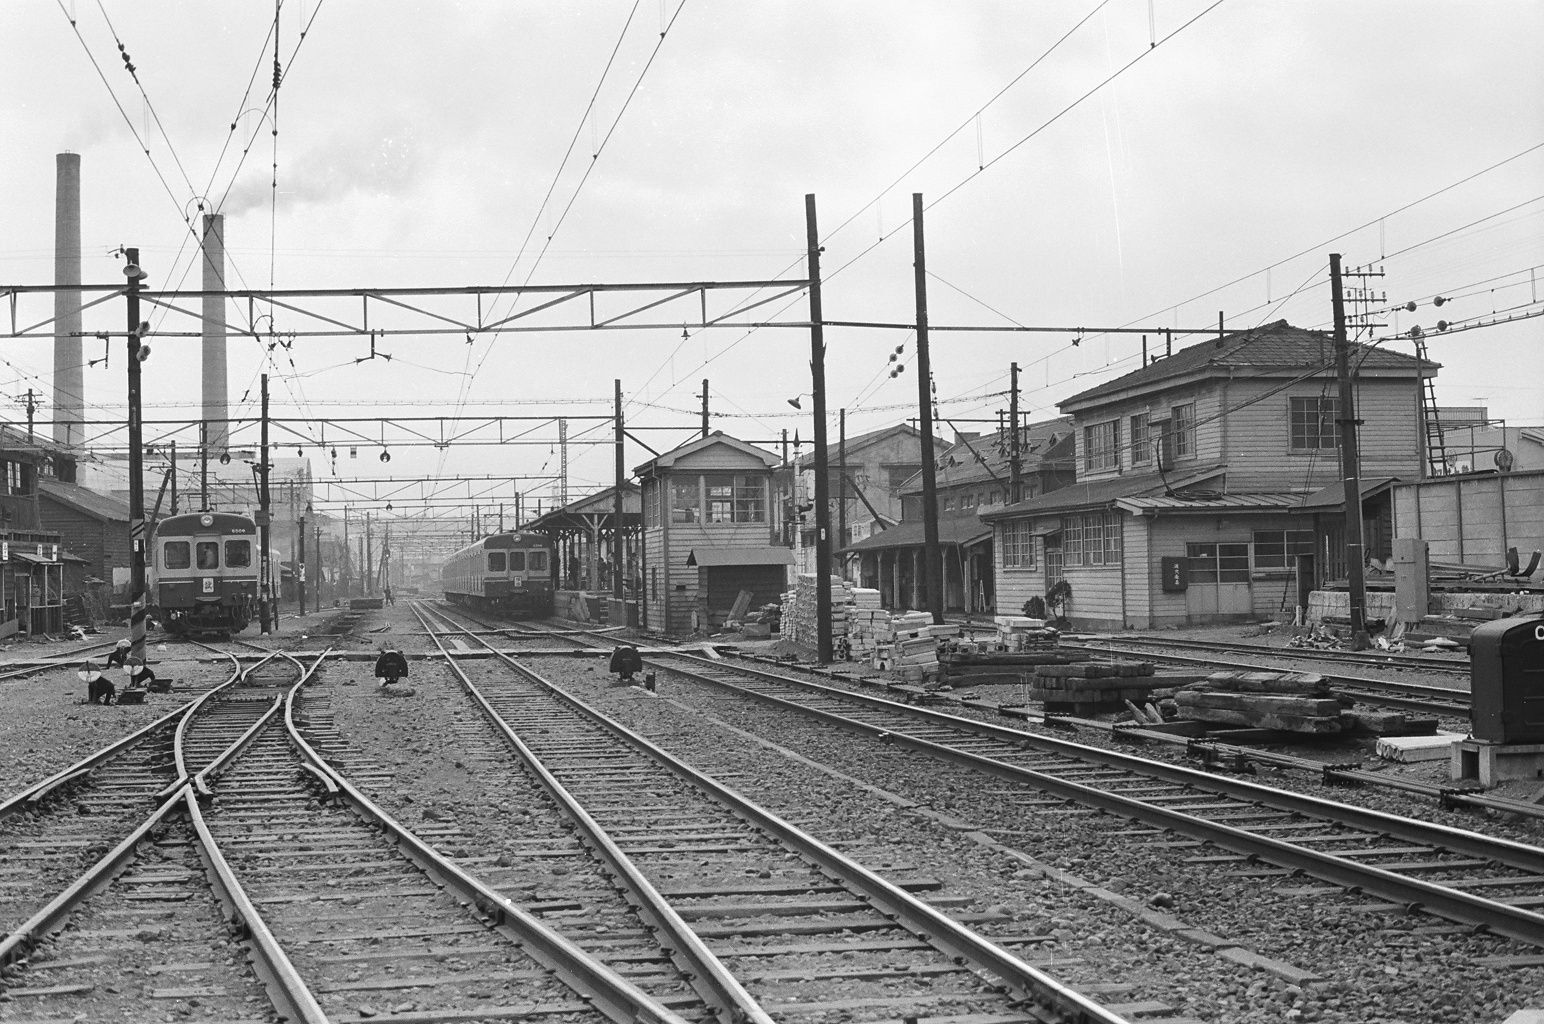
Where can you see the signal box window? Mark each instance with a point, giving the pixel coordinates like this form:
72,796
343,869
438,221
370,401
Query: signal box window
238,554
517,561
536,561
176,554
1218,563
495,561
1183,423
208,554
685,495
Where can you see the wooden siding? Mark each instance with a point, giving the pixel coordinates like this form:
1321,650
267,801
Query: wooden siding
1209,430
1259,453
1473,519
104,545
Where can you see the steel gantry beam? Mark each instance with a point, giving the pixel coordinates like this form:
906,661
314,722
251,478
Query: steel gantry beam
467,310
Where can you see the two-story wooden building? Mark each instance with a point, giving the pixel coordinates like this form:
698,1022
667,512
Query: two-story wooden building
708,533
1193,473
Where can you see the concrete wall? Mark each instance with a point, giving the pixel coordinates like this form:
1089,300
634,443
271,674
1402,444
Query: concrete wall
1474,519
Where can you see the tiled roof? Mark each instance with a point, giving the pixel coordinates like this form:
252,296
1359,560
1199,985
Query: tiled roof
1277,345
1333,496
93,503
1207,502
956,529
1096,493
980,458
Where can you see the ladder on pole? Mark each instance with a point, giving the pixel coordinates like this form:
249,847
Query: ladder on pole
1436,447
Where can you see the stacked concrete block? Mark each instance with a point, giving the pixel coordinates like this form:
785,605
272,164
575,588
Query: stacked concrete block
1016,633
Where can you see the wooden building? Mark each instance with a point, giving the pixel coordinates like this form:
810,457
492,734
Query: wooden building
1201,477
32,559
973,476
708,533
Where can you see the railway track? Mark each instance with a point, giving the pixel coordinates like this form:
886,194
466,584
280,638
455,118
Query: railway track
790,917
335,902
1471,879
1475,880
1363,659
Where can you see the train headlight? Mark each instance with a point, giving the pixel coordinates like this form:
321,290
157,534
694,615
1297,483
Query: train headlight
206,520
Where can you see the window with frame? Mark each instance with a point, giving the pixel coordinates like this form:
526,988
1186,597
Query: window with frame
1183,424
1102,539
1218,563
735,498
1141,440
238,554
948,503
176,554
1018,544
1313,426
750,499
1072,540
685,499
1278,549
896,475
517,561
1101,446
11,477
208,554
496,561
536,561
651,503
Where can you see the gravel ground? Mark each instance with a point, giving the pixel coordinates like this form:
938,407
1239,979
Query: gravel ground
1114,904
46,723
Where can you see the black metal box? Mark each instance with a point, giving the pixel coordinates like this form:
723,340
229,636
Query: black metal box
1506,681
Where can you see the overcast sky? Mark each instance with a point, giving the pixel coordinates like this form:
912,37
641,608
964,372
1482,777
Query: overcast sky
416,144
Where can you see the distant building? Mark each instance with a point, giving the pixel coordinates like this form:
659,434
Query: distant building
974,475
708,533
1202,476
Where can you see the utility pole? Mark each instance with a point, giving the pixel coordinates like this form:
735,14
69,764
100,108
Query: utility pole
31,409
1351,483
346,568
841,476
320,569
1015,453
174,478
822,460
203,463
618,561
300,562
264,518
932,559
704,407
369,559
137,538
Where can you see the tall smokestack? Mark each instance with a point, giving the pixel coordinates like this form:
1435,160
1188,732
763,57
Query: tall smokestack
69,372
215,394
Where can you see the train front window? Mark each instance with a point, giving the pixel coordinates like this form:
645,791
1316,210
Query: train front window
517,561
496,561
238,554
176,554
536,561
208,554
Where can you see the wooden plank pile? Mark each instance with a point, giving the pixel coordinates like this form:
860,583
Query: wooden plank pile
1299,702
1093,686
1019,633
865,621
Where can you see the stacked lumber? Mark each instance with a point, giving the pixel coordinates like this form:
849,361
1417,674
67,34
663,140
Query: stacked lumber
799,607
864,627
1279,701
1017,633
909,646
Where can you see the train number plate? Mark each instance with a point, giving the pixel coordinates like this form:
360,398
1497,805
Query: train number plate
208,584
